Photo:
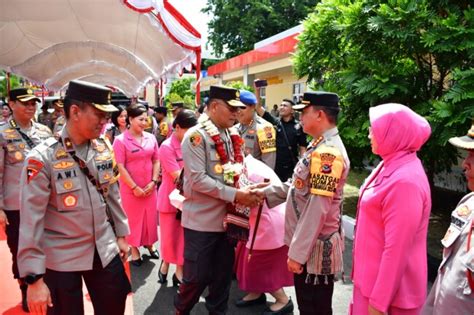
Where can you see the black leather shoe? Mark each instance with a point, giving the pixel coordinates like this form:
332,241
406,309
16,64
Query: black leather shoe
262,299
287,309
162,276
136,262
24,302
176,281
154,254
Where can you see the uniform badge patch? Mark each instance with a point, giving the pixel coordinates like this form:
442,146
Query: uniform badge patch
19,156
195,139
70,200
251,131
298,183
267,139
464,211
11,147
21,145
68,184
32,169
327,165
61,154
100,148
218,169
63,165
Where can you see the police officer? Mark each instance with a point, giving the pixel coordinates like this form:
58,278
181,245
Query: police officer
259,135
314,204
58,117
290,138
18,135
73,226
176,107
453,289
164,127
211,151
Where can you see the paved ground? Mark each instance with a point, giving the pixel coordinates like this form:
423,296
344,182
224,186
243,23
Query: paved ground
150,297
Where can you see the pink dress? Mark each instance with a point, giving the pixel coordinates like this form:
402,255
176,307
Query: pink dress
171,231
389,265
138,161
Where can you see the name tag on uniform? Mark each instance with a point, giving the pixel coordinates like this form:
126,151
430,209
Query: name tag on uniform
459,220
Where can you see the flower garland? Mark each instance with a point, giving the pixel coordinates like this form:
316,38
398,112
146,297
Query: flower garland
231,169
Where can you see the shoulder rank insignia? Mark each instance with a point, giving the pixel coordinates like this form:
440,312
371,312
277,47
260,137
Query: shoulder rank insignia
61,154
326,170
32,169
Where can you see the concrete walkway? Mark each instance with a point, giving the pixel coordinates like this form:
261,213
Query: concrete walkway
152,298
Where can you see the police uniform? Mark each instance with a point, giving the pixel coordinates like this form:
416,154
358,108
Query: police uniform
66,222
15,143
208,255
453,289
259,136
313,215
59,125
289,138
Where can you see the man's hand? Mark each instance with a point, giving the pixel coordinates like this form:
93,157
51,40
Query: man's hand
3,220
123,247
39,297
294,266
249,198
374,311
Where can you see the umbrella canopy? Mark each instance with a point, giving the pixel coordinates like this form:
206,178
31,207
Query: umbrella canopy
122,43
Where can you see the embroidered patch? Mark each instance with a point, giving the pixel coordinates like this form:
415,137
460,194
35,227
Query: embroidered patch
70,201
19,156
32,169
298,182
251,131
218,169
100,148
326,169
68,184
195,139
21,145
63,165
464,211
267,139
103,157
61,154
11,147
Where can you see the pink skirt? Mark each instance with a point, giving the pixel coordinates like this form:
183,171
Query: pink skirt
142,219
172,239
267,271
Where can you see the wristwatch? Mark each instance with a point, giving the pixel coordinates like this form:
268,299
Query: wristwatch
32,278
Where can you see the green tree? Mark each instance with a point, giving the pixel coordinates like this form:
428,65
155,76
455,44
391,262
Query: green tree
239,85
415,52
237,25
181,91
14,83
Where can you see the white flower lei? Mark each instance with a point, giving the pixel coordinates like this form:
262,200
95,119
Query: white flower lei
230,169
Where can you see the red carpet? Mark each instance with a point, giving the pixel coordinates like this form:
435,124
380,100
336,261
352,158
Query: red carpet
10,296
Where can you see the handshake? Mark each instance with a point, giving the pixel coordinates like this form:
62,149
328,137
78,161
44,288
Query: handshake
251,196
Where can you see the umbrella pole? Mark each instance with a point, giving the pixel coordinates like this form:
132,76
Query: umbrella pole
257,222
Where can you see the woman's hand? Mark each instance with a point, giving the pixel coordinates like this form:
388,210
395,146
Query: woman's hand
138,192
374,311
148,189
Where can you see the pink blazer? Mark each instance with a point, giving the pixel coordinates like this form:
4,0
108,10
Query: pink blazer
389,257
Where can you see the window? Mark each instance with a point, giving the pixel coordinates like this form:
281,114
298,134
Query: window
298,89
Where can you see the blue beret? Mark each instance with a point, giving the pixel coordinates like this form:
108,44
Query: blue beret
248,98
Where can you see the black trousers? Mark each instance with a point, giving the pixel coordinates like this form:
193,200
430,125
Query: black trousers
12,232
314,299
208,262
108,288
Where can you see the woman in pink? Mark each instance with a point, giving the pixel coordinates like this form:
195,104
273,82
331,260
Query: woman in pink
136,153
267,269
171,231
389,266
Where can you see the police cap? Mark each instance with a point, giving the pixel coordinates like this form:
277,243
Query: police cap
227,94
97,95
324,99
22,95
466,142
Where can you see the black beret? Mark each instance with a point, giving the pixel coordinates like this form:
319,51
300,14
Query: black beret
324,99
227,94
99,96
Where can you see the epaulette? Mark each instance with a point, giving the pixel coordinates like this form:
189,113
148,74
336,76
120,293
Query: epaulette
46,144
